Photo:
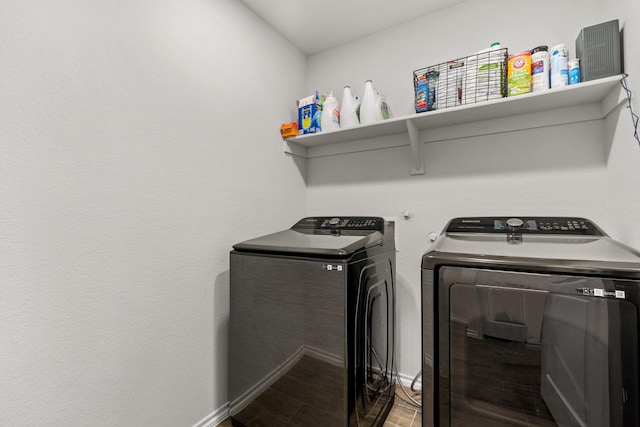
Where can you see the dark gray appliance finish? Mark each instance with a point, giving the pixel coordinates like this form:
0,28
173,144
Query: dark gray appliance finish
311,328
530,321
600,49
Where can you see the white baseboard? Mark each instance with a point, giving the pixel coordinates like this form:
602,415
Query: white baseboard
407,380
327,357
247,397
241,402
222,413
214,418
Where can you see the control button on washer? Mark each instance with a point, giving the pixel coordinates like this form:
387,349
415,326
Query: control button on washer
514,223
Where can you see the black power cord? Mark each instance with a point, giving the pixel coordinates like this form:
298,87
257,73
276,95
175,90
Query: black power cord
634,116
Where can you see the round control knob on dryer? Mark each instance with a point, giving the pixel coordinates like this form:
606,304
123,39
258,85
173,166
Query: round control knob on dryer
514,224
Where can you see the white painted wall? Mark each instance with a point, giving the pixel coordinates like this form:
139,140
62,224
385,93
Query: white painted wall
138,142
585,169
623,163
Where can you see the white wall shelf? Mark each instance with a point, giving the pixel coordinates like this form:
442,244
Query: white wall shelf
570,104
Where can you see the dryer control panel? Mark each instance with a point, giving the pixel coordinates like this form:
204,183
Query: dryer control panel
525,225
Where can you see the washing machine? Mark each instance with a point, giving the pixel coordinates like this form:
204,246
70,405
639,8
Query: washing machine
530,321
311,325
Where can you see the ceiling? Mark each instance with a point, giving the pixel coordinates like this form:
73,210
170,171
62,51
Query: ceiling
316,25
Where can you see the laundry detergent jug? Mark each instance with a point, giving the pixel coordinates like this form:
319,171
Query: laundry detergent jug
330,117
350,109
374,107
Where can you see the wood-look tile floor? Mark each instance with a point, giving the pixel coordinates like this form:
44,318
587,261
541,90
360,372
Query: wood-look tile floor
403,414
495,382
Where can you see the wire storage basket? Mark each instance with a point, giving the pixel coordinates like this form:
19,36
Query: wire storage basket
462,81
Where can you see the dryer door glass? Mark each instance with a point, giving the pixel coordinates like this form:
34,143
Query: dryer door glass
537,350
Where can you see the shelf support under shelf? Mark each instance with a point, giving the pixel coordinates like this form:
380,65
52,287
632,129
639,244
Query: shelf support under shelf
417,159
294,149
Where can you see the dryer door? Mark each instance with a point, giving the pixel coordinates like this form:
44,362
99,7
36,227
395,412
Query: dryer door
536,349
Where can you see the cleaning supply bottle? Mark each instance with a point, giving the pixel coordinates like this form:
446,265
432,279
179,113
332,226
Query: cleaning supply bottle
539,68
558,62
330,118
349,110
370,111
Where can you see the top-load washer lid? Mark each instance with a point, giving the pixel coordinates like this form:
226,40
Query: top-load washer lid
537,243
322,236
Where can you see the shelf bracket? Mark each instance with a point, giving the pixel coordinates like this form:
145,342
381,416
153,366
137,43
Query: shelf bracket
417,158
294,149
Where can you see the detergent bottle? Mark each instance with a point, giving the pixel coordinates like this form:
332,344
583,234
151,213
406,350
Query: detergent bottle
349,110
330,118
370,111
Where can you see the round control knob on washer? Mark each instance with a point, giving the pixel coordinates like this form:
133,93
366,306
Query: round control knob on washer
334,221
514,223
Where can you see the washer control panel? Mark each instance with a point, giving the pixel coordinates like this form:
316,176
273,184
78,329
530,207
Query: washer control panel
357,223
525,225
341,223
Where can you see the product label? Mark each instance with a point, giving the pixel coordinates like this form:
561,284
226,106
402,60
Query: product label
489,78
518,63
335,116
559,70
384,109
603,293
306,117
537,68
574,71
519,74
422,92
560,52
574,76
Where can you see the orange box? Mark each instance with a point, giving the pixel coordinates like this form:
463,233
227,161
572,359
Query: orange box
289,129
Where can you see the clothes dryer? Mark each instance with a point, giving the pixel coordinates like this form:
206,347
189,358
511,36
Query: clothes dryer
530,321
